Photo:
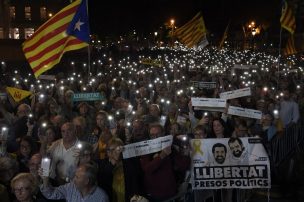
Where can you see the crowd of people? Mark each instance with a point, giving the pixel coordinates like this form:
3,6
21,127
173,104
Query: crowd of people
84,140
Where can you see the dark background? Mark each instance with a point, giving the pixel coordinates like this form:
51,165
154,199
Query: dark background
118,17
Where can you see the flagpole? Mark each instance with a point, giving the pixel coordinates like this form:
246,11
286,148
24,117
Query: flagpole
279,58
89,51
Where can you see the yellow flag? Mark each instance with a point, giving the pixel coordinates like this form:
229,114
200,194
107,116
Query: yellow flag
18,94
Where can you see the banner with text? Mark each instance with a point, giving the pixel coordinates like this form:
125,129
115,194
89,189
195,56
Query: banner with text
208,104
244,112
148,61
78,97
235,93
146,147
229,163
203,85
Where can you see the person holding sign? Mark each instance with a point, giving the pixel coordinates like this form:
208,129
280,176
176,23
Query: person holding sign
120,178
159,174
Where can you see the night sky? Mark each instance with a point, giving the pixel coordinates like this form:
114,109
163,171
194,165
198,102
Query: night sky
118,17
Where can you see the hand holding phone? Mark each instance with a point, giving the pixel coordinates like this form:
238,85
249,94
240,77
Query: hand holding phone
45,166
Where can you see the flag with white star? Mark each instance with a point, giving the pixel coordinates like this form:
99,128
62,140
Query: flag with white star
79,26
67,30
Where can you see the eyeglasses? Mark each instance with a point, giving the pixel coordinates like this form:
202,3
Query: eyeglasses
21,189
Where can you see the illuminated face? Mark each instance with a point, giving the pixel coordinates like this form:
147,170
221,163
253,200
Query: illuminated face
236,149
219,155
21,189
25,148
80,179
155,132
68,134
218,128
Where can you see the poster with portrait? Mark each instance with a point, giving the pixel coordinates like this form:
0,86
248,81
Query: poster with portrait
229,163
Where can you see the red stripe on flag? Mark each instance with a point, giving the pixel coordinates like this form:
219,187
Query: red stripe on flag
46,50
47,37
55,19
56,56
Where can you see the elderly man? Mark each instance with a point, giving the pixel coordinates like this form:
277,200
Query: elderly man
63,154
83,188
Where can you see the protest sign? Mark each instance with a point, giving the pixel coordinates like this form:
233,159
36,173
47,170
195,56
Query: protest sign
229,163
235,93
244,112
209,104
203,85
78,97
146,147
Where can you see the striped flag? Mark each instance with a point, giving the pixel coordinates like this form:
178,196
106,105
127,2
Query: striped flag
193,32
224,36
290,47
67,30
288,20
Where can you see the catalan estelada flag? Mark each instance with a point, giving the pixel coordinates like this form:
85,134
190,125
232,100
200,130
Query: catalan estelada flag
17,94
67,30
193,32
288,20
290,47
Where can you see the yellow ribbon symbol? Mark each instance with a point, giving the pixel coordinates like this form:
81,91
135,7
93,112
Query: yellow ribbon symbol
196,145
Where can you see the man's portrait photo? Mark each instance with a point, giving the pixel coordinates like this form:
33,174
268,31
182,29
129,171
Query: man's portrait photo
219,151
237,149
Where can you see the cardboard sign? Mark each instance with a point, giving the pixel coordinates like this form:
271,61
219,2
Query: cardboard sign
244,112
236,93
147,147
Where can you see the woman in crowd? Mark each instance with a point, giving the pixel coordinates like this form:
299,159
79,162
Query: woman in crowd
120,179
25,187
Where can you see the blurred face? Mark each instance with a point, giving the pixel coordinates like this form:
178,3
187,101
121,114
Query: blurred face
68,134
241,131
114,152
85,157
219,154
21,190
50,135
34,164
236,149
25,148
100,120
218,129
83,109
53,109
200,134
155,132
80,178
21,111
154,111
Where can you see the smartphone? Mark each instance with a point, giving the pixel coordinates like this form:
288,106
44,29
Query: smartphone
45,165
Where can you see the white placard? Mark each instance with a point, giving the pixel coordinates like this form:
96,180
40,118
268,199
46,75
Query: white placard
245,67
203,84
244,112
181,120
236,93
47,77
146,147
229,163
210,109
208,102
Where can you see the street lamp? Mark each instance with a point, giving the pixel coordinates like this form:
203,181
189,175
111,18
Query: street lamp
172,21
